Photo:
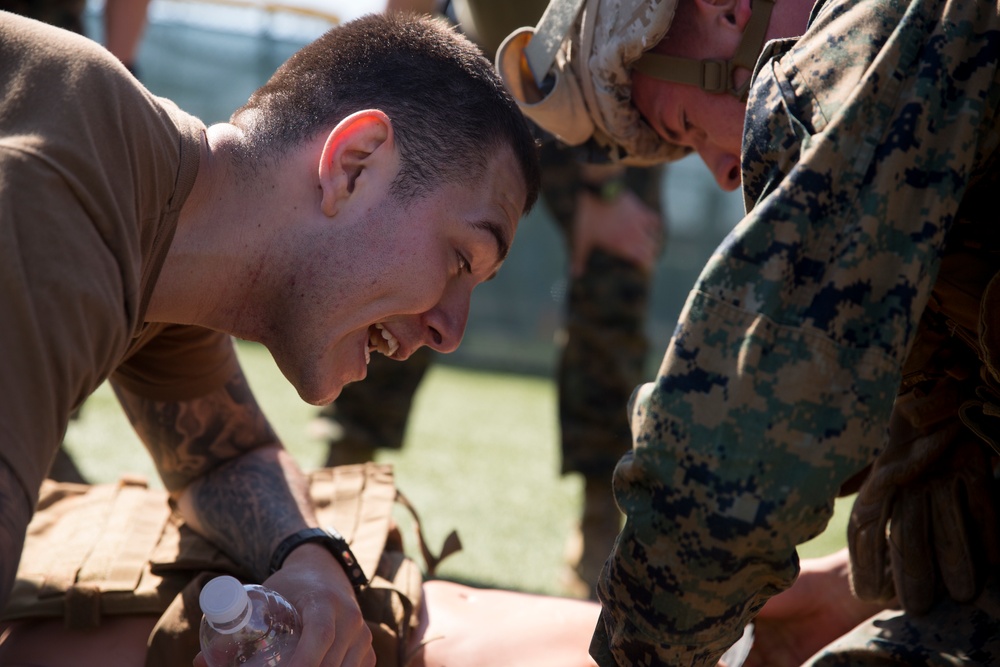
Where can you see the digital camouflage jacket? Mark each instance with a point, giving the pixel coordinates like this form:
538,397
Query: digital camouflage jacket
865,141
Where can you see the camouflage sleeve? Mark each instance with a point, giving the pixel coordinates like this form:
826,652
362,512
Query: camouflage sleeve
780,377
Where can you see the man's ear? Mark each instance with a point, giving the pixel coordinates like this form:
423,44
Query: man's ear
358,143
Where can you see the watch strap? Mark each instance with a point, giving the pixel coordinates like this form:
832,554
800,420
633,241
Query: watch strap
334,543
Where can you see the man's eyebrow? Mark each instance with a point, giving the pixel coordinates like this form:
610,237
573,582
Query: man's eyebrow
499,233
661,129
664,131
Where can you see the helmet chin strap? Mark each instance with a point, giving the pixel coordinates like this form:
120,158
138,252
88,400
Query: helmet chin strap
714,76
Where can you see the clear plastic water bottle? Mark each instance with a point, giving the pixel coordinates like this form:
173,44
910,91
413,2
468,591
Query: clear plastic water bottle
246,625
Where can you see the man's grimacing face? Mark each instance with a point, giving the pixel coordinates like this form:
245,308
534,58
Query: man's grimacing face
405,281
710,124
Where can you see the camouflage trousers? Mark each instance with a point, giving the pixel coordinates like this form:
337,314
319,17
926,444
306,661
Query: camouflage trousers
66,14
601,360
949,634
373,413
603,353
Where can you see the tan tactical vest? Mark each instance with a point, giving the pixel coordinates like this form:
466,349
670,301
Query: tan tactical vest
110,549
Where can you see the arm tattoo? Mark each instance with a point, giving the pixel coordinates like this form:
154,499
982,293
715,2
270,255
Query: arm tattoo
245,504
187,439
246,507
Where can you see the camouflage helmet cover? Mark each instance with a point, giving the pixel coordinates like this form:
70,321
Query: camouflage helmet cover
590,93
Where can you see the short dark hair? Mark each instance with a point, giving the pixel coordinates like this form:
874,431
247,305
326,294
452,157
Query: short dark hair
449,109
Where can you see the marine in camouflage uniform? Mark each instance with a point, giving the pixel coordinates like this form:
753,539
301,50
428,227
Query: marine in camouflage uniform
605,346
868,144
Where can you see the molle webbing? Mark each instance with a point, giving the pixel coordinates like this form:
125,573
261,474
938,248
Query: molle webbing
337,494
91,550
110,549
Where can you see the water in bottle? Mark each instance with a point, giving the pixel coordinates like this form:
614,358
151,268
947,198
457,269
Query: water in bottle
246,625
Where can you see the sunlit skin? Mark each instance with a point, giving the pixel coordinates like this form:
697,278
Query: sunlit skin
412,271
709,124
325,254
458,625
703,122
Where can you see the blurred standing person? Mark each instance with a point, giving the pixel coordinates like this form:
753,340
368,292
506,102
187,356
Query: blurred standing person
614,234
124,21
65,14
124,26
611,220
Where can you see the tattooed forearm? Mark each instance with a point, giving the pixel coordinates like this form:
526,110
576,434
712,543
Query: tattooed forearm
15,512
187,439
245,507
240,496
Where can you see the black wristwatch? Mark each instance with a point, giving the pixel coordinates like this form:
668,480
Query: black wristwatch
334,543
608,191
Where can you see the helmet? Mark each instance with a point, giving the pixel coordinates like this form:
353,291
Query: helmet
572,74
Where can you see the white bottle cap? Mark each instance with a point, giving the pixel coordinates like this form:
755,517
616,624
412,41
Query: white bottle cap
223,600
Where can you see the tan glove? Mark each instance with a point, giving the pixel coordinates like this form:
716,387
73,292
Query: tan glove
932,488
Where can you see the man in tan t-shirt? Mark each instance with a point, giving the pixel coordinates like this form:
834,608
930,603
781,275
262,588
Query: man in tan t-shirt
344,210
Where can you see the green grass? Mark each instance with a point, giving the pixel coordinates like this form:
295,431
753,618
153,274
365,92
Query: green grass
481,457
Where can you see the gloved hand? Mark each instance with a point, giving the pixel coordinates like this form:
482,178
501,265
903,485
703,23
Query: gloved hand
932,488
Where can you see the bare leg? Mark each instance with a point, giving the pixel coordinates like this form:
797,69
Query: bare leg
119,640
460,626
496,628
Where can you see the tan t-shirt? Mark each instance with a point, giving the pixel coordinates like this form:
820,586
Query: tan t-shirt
93,172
